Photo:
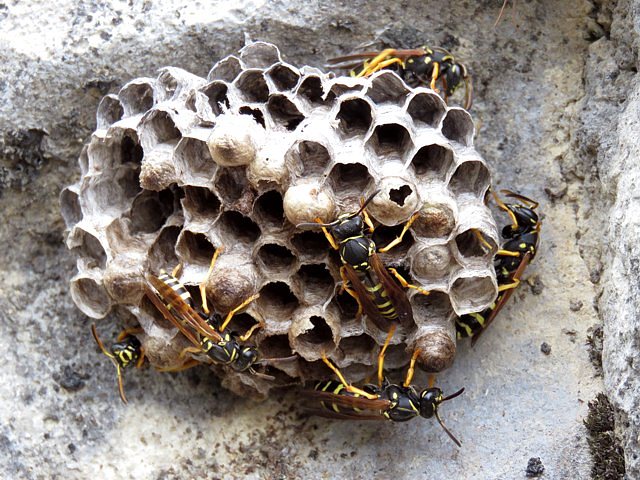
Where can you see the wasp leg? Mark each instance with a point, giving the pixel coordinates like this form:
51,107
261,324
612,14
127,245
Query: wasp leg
482,240
468,92
382,353
185,366
236,310
99,342
406,284
401,236
412,368
373,66
345,282
434,76
246,336
432,381
367,221
121,384
203,291
350,388
508,286
128,332
507,253
502,206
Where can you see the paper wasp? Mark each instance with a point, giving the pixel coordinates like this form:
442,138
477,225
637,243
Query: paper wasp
395,402
206,330
127,351
364,276
419,66
519,249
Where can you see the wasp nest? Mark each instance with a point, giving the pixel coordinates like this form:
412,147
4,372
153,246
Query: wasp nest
181,165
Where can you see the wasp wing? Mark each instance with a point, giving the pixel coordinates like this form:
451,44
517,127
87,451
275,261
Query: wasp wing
365,301
402,54
506,295
357,408
396,293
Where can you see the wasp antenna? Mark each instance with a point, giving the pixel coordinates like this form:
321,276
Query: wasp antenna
453,395
451,435
315,224
121,385
366,202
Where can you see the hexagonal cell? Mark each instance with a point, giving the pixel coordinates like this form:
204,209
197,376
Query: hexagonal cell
346,306
284,77
397,199
470,177
268,209
390,139
256,113
193,161
159,128
383,235
354,117
432,162
226,69
310,245
437,217
431,262
70,206
426,108
259,55
284,112
253,86
121,149
218,94
387,87
89,247
232,185
274,259
276,346
316,283
137,96
319,337
471,246
171,81
349,179
308,158
311,89
194,248
360,348
162,253
472,294
200,203
241,323
343,85
276,301
110,110
150,210
458,126
90,296
235,227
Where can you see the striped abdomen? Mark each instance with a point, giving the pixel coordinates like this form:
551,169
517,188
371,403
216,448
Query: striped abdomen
177,287
336,388
378,295
472,323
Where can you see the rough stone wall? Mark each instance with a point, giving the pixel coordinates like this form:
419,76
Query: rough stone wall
551,82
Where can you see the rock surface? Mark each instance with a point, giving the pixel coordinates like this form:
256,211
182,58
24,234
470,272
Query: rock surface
556,108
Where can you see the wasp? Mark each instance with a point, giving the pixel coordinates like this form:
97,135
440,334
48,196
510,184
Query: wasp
418,66
126,352
363,274
522,237
390,401
206,330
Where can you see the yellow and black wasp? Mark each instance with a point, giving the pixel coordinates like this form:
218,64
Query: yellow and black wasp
364,275
390,401
205,330
126,352
417,67
522,237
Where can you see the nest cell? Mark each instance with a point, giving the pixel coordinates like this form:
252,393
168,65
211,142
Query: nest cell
194,165
159,128
70,206
252,86
226,69
275,259
235,228
194,248
276,346
162,252
308,158
284,77
313,334
387,87
256,113
137,96
90,248
311,89
259,55
358,349
277,302
310,245
471,177
431,263
284,112
268,210
233,188
472,247
110,110
437,218
432,162
473,293
200,204
426,108
150,211
349,180
218,94
354,117
90,296
315,282
458,126
383,235
390,140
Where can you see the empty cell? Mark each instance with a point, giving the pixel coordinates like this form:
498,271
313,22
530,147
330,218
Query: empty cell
276,346
241,323
226,69
316,282
256,113
235,227
344,85
162,253
470,177
431,309
150,211
433,161
277,302
70,206
90,296
310,244
268,209
389,139
354,117
217,93
274,258
284,112
387,87
311,89
130,149
346,305
253,86
308,158
349,179
91,248
358,346
232,185
136,97
472,294
259,55
427,108
283,77
201,202
458,126
320,333
194,248
159,127
193,161
110,110
167,83
470,245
